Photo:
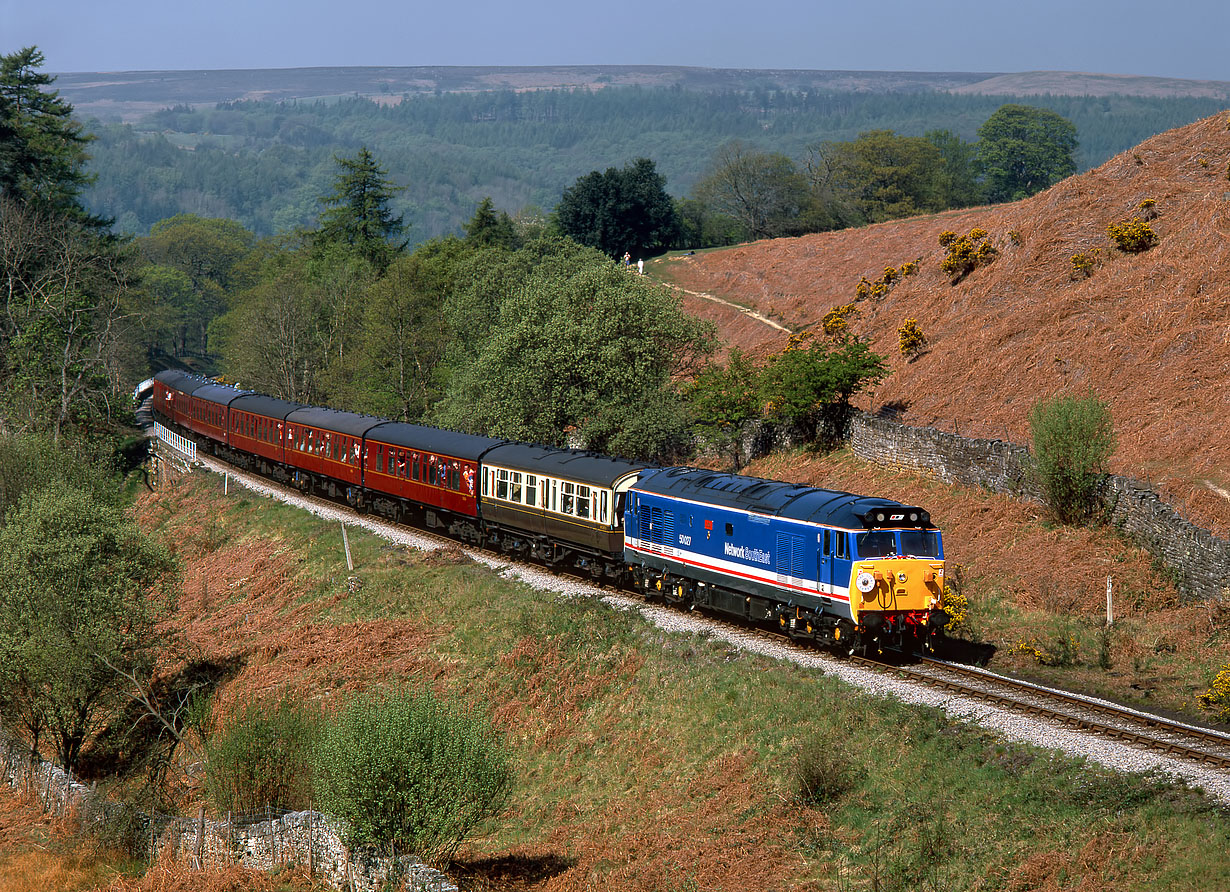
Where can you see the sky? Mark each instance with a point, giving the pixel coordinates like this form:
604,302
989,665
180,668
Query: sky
1165,38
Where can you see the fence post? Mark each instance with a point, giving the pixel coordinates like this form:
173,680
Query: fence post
200,838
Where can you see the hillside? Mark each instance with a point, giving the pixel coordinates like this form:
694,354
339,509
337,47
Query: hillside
1150,333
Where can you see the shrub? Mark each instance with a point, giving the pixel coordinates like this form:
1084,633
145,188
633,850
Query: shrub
1216,700
1133,237
262,759
955,601
965,254
824,771
1073,438
836,323
911,338
405,769
1085,262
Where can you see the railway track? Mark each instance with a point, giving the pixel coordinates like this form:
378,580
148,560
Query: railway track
1201,745
1207,748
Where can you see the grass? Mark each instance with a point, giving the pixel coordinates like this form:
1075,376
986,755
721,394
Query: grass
654,761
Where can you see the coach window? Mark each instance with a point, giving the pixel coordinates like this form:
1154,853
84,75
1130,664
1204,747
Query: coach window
568,500
604,506
531,490
583,500
454,478
501,485
516,487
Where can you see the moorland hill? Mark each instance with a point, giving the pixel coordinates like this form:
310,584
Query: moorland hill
1149,332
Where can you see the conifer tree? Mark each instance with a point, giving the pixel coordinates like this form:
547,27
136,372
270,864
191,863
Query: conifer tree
357,212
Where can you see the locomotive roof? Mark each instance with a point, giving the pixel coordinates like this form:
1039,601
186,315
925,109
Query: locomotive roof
334,420
771,497
433,439
269,406
573,464
222,394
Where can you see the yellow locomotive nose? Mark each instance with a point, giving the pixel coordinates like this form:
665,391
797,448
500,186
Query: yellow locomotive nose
896,585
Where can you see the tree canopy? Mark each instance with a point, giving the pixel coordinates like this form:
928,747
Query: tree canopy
75,611
62,344
42,148
620,211
764,191
1023,150
357,210
580,346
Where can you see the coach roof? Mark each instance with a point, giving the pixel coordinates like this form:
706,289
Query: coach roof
771,497
269,406
432,439
222,394
183,382
335,420
571,464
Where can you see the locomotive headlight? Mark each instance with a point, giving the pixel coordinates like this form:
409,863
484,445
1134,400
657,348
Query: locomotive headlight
901,577
913,517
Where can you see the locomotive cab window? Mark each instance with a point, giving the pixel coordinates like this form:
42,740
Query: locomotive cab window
875,543
920,543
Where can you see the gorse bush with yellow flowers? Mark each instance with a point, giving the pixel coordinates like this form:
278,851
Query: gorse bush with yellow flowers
1216,700
1133,236
911,339
966,253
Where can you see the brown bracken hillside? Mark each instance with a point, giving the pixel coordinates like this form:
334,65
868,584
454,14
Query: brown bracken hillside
1148,332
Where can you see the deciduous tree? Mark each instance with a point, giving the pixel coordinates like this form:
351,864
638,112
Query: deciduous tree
764,191
78,606
583,347
1023,150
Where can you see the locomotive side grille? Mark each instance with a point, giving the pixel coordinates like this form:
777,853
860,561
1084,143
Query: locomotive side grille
657,526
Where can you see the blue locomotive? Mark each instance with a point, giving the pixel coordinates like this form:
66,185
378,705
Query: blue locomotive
846,571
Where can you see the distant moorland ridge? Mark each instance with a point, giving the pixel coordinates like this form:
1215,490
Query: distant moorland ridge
127,95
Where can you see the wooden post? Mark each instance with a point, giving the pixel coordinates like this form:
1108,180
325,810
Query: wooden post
1110,613
200,838
346,543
